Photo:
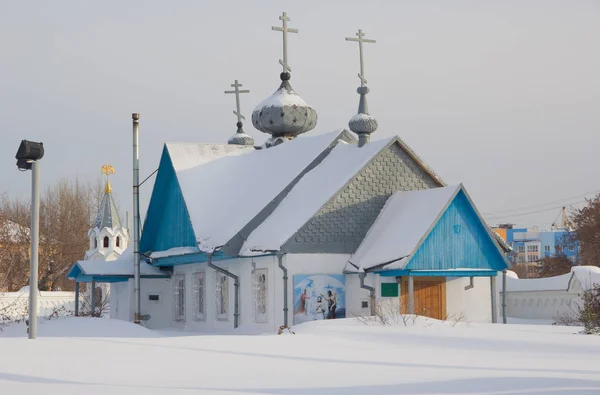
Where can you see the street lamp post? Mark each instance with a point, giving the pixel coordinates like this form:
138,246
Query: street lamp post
28,155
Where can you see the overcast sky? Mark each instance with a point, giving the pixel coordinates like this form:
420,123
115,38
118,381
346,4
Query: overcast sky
502,96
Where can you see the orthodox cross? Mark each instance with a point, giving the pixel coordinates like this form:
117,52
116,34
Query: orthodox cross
237,92
360,41
107,170
285,29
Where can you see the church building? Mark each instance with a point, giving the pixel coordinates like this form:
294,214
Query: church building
307,227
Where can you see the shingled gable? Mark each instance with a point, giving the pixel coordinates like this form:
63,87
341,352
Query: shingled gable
343,221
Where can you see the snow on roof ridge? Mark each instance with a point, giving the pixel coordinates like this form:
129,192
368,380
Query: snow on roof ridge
188,155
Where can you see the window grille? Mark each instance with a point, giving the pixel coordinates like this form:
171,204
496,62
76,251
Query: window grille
179,297
200,296
221,296
260,295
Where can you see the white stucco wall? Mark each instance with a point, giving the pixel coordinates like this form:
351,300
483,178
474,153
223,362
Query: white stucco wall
243,268
474,305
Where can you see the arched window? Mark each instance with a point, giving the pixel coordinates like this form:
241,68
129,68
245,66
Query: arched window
118,241
105,242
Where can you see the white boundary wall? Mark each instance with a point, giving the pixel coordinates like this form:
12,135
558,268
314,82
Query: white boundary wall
548,298
15,304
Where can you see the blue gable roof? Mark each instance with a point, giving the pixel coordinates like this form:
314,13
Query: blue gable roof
167,224
458,240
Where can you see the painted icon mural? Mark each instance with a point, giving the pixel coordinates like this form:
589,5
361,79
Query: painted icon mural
319,297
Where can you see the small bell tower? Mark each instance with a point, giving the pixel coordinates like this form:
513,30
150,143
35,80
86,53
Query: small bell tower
108,238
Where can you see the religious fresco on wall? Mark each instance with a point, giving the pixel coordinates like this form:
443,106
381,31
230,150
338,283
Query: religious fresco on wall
319,297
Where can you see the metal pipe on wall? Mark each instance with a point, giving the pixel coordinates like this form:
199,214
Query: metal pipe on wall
136,218
504,296
236,284
371,290
280,255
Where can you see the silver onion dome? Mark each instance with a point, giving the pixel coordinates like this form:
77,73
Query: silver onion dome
284,113
240,137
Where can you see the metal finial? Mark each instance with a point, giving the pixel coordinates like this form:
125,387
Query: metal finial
237,92
285,29
107,170
360,41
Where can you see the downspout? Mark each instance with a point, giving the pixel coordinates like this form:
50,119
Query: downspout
361,276
504,296
280,256
236,284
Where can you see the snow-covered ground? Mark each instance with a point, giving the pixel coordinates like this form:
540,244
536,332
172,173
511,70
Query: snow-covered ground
341,357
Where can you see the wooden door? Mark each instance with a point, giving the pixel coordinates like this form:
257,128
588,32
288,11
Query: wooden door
430,297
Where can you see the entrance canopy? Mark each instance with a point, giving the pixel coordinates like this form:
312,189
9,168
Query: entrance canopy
119,270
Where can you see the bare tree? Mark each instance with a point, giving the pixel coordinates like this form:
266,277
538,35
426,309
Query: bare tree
587,231
67,211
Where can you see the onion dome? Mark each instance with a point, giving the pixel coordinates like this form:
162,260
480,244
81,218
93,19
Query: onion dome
240,137
284,114
362,123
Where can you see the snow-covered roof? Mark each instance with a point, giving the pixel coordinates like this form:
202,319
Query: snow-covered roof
122,266
310,194
222,196
401,225
174,251
586,276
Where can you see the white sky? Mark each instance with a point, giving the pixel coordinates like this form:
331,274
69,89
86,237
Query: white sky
502,96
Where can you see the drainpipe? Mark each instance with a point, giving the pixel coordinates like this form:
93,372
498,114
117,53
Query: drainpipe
504,296
236,284
280,256
361,276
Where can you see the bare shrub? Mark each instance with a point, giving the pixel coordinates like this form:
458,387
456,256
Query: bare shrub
387,313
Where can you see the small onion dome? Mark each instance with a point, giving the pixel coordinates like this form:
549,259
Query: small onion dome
240,137
284,113
363,123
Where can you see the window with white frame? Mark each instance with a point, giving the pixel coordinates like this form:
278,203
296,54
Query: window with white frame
521,258
521,248
221,296
260,295
532,258
532,248
179,297
547,248
200,296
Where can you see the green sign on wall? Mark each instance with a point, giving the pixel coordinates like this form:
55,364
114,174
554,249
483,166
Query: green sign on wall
389,290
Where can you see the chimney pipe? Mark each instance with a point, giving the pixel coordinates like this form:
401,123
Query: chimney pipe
136,217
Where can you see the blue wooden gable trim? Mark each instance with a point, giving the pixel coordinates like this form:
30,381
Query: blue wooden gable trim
458,240
167,223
